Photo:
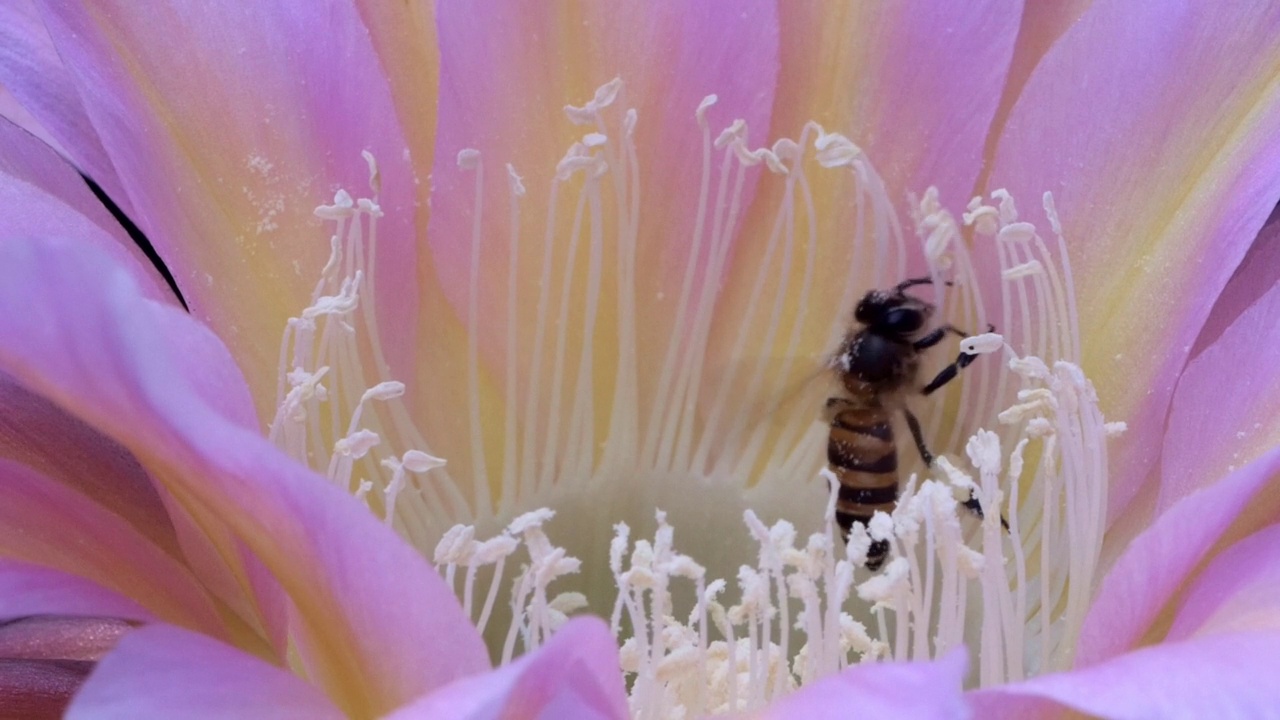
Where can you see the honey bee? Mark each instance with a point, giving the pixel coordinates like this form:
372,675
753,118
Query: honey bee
877,364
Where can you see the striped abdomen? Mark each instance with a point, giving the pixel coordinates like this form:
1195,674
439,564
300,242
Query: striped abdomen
863,456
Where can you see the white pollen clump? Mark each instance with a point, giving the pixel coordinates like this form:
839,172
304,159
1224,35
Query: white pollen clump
414,461
515,181
703,107
454,547
468,159
786,149
578,158
532,519
1031,403
956,477
363,489
985,219
375,177
383,391
590,113
418,461
984,451
937,226
357,445
1031,368
341,304
881,526
982,344
858,544
736,132
881,589
1027,269
1039,427
836,150
369,207
1008,210
342,208
1016,232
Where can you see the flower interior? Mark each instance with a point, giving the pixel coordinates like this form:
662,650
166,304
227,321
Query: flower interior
676,484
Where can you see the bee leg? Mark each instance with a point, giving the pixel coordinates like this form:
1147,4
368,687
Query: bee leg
918,435
935,336
972,505
949,372
912,282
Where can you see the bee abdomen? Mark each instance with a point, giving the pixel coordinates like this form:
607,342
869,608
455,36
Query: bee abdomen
861,447
882,495
864,458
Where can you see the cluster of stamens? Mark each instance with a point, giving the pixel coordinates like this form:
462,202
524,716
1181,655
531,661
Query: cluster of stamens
1011,584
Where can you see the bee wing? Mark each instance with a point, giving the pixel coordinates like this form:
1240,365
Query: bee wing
760,416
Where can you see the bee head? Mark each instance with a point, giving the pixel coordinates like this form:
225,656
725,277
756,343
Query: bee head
891,313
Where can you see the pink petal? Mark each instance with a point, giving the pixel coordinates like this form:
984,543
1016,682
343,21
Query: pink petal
384,627
1256,274
44,196
40,435
1223,413
34,590
1215,676
886,75
1240,591
161,672
61,446
1159,560
227,129
31,70
38,689
575,675
1042,24
44,522
50,199
1155,127
882,690
14,112
63,638
44,657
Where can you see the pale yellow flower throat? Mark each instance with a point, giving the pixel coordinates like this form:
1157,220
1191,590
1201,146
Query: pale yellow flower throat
697,636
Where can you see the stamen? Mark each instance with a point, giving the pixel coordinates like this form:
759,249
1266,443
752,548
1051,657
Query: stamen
517,191
469,159
324,415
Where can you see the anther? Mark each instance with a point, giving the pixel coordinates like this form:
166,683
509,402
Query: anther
701,112
468,159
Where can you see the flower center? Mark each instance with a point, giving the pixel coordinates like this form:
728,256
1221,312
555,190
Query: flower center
997,551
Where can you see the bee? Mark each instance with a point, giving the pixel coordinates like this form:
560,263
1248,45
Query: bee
877,365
